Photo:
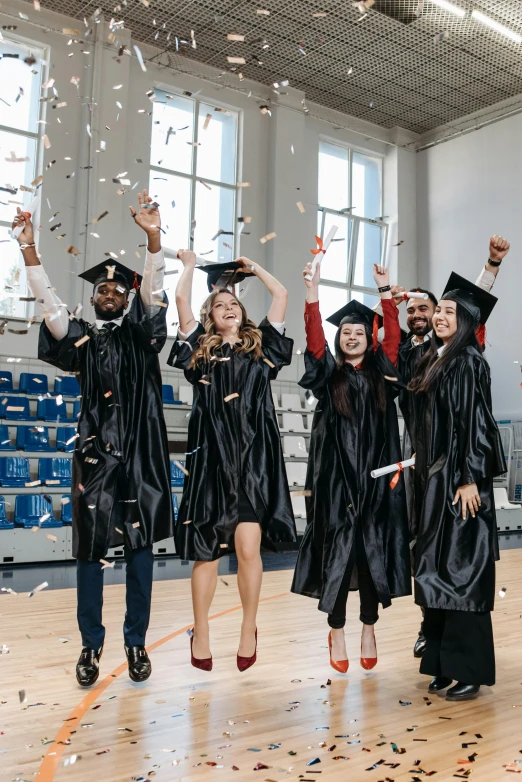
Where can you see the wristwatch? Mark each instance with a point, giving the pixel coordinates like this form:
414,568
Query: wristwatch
494,263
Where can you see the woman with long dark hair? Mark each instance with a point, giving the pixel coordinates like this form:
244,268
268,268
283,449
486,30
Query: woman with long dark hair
236,493
357,531
458,453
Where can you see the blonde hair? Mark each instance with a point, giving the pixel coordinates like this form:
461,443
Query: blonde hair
210,341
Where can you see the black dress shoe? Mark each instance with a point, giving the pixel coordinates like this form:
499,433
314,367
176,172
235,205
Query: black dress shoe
140,667
463,692
88,666
439,683
420,646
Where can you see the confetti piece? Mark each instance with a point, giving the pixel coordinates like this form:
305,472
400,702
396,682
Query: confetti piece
243,184
32,483
270,364
301,493
207,121
262,12
502,591
81,341
22,696
236,60
69,31
268,237
38,588
440,36
136,525
140,58
231,396
52,537
181,467
235,37
301,207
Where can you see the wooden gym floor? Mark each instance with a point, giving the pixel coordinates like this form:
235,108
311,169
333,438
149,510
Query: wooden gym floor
288,710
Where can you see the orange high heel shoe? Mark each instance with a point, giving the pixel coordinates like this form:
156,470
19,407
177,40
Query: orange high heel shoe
369,662
244,663
337,665
204,664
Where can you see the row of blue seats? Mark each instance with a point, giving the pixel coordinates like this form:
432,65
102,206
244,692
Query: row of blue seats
36,438
39,384
31,508
17,408
54,471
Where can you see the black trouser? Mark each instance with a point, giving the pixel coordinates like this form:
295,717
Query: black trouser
140,563
459,646
367,592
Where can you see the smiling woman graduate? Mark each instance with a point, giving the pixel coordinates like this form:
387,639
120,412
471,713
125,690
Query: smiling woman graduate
458,453
236,493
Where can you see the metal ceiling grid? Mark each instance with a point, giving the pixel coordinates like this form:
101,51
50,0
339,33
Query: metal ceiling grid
414,81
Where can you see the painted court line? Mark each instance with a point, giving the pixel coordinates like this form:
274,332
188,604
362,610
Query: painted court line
51,760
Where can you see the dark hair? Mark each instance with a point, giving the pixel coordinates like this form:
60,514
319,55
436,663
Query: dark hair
339,382
431,367
431,296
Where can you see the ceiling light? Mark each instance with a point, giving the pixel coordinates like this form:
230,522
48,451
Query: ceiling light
497,26
453,9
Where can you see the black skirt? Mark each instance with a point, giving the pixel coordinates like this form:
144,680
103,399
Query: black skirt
245,510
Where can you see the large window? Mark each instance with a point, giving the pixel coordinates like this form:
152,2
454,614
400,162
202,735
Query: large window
193,178
350,197
20,108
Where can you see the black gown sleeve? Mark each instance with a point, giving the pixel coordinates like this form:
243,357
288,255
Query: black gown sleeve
317,372
63,353
181,354
150,333
277,347
480,453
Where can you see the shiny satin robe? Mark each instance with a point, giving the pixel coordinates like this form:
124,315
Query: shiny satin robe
121,472
343,452
457,442
233,445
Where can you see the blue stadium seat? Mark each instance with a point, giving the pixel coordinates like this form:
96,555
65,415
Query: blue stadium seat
55,471
16,408
14,471
30,508
167,393
66,514
49,410
4,523
175,506
77,408
5,442
66,385
63,436
177,476
6,381
33,384
33,438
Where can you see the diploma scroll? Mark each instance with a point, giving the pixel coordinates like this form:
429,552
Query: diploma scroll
415,295
33,210
322,250
398,467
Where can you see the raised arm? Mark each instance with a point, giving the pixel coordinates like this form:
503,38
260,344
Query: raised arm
277,311
187,320
392,330
149,220
315,338
55,312
498,249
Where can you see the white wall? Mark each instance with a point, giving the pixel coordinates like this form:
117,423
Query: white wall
468,189
279,177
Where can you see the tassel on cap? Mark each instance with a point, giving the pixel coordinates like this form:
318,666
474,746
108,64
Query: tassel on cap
481,335
136,284
375,333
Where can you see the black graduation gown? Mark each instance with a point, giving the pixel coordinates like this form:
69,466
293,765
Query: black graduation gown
344,495
457,442
129,448
409,359
233,446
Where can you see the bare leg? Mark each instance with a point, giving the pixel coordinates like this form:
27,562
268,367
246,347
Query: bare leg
368,645
203,583
338,644
247,541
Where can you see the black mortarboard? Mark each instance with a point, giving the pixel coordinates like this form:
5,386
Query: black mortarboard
477,301
359,310
224,275
112,271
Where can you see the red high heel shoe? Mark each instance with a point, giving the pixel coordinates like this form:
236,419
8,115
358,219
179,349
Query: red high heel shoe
337,665
204,664
369,662
243,663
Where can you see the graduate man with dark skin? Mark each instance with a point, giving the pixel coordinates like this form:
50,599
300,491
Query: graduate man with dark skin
121,473
413,348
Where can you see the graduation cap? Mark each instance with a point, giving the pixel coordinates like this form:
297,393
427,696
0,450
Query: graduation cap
477,301
224,275
359,313
112,271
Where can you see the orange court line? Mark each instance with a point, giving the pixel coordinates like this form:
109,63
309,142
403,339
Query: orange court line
49,765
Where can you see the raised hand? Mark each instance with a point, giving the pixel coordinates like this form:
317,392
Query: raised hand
147,217
27,235
498,248
397,292
247,264
307,273
381,277
187,258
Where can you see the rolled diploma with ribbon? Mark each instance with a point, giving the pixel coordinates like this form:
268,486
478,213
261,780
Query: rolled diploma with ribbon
32,210
326,244
398,467
415,295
